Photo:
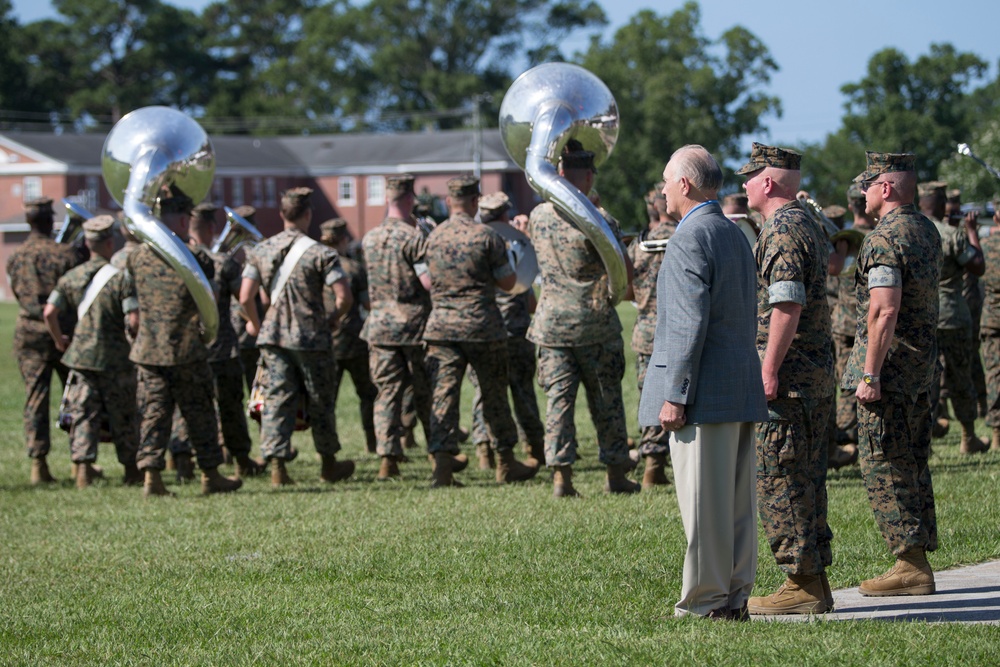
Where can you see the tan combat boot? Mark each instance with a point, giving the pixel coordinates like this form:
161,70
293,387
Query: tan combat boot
487,461
213,481
133,476
246,466
334,470
800,594
655,473
940,427
279,474
995,444
617,482
40,472
388,469
512,470
911,575
95,471
562,483
827,592
184,466
536,452
842,455
442,473
85,475
971,444
154,485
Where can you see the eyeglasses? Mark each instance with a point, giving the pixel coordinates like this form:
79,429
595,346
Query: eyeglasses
867,184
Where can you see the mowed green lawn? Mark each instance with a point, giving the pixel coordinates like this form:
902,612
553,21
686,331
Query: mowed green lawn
368,573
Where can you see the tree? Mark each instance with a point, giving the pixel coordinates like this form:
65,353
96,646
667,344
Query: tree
674,86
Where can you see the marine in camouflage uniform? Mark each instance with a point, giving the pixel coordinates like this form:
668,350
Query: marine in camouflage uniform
33,269
516,311
954,327
102,385
467,261
578,334
349,350
646,256
400,303
172,361
295,339
898,267
247,344
972,291
796,351
990,326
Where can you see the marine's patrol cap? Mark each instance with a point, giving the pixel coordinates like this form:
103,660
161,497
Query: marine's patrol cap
463,186
955,195
38,210
736,199
885,163
399,184
834,211
177,202
854,193
247,212
296,197
495,202
575,157
98,228
332,229
205,211
762,156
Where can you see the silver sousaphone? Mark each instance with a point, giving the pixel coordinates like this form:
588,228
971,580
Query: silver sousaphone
237,233
72,226
546,107
521,254
146,153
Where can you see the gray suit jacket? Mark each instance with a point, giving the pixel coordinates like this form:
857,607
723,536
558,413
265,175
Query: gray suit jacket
704,353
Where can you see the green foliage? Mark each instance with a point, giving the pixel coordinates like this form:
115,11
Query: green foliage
675,86
961,171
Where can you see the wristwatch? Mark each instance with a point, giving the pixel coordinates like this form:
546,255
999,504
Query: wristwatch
868,378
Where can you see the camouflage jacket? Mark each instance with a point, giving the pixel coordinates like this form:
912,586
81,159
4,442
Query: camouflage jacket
574,308
226,284
991,282
905,247
347,343
169,323
516,312
953,310
465,258
99,342
792,257
119,260
297,319
646,269
845,312
33,270
394,254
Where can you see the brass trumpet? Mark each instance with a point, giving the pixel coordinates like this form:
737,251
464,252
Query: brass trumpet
238,232
854,237
72,227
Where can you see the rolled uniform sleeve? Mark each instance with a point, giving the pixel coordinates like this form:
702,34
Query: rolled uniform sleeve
500,264
56,299
885,276
787,291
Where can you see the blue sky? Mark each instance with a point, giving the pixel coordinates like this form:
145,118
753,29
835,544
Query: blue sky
819,46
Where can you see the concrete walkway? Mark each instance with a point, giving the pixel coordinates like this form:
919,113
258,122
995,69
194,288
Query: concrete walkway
964,595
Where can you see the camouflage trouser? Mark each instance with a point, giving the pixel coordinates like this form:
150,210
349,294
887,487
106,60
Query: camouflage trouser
847,402
290,372
978,372
954,349
446,362
991,365
521,380
357,367
654,439
894,443
93,396
36,371
249,356
791,483
393,369
228,391
601,368
188,387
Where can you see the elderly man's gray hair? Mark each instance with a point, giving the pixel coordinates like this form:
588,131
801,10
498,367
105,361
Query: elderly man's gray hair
697,165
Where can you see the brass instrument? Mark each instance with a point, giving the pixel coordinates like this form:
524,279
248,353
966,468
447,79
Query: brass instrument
238,232
651,245
964,149
743,221
521,255
543,109
72,226
854,237
149,152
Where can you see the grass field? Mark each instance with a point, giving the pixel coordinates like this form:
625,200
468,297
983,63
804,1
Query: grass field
366,573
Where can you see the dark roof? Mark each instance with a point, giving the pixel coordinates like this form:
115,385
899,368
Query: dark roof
308,153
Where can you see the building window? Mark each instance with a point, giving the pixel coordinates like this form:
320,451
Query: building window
270,192
93,187
32,188
376,190
238,192
258,192
218,196
345,191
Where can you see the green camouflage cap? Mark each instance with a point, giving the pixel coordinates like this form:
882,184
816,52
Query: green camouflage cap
834,211
296,197
955,195
885,163
205,211
463,186
99,228
575,157
770,156
399,184
332,228
37,205
246,211
735,199
930,188
854,193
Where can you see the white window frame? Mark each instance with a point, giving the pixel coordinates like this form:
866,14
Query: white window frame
347,188
270,192
238,192
218,192
258,191
376,190
31,188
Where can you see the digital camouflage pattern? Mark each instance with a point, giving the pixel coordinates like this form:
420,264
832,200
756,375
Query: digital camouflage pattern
290,372
953,311
955,350
792,250
894,445
846,419
33,270
601,368
394,255
646,267
94,396
99,342
654,439
516,312
297,319
119,260
357,368
906,241
762,156
465,258
347,342
574,308
394,370
791,483
169,324
991,366
990,325
226,283
189,387
974,296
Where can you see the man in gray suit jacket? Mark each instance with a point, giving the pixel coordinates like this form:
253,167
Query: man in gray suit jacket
704,385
